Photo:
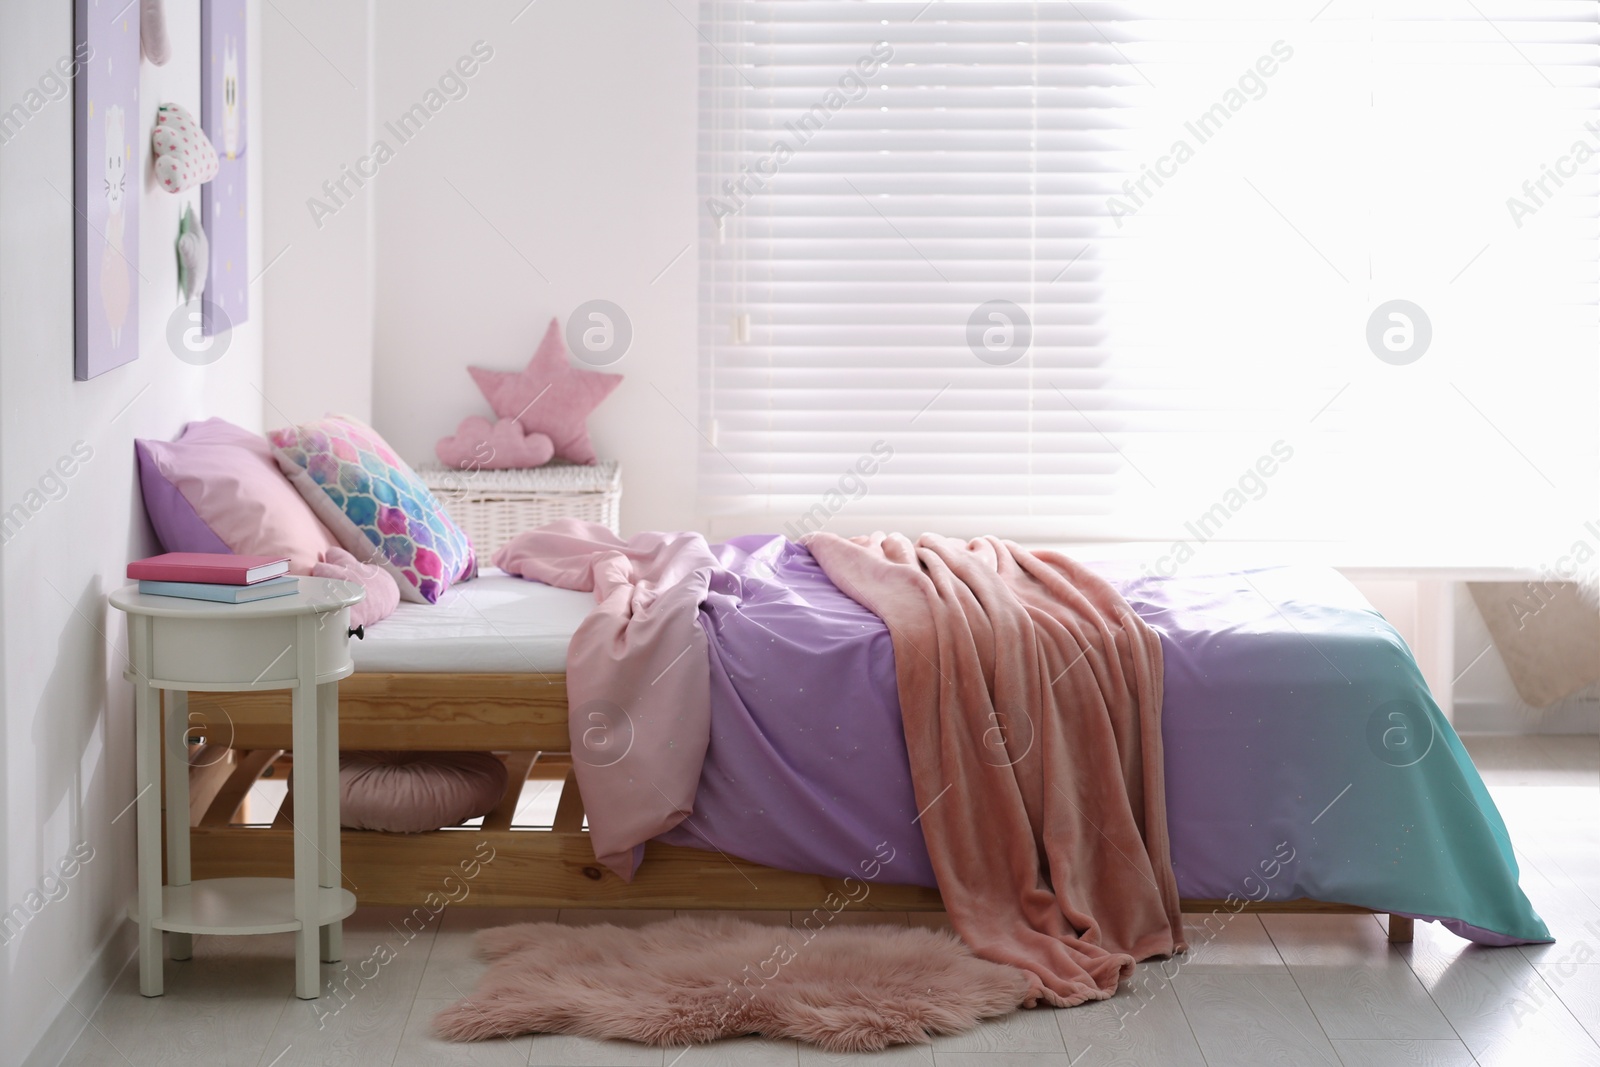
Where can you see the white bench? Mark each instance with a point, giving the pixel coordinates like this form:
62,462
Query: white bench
1414,591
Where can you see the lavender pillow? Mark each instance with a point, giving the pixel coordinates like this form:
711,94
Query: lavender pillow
217,488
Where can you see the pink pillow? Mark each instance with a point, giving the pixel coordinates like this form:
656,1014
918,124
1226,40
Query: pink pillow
217,488
409,792
383,595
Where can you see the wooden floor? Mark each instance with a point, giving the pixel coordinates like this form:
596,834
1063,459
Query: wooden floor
1275,990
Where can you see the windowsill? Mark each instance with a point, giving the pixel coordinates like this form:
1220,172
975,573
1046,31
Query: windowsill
1462,557
1354,560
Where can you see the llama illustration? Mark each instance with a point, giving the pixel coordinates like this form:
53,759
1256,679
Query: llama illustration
230,97
115,289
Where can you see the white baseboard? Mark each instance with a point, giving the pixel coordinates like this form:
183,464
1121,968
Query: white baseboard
92,986
1577,716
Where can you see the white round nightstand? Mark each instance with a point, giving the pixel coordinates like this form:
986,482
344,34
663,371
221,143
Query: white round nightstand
298,642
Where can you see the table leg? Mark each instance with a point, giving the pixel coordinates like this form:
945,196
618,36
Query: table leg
180,946
307,818
328,824
147,771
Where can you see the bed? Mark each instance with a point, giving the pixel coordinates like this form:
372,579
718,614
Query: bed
1292,783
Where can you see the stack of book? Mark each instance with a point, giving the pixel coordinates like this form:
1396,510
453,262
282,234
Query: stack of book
218,576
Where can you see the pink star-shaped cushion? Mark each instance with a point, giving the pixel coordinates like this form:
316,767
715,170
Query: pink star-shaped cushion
549,396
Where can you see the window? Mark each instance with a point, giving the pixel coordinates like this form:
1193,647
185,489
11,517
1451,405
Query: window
1110,270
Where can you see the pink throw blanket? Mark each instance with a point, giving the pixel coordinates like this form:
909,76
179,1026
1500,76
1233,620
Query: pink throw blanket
637,686
1031,698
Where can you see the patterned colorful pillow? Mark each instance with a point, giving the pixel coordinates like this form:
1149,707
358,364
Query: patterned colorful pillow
375,505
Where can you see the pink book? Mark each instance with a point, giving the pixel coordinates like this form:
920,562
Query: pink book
211,568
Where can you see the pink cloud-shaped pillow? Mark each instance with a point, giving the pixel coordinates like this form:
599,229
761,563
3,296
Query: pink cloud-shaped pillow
184,154
383,592
479,444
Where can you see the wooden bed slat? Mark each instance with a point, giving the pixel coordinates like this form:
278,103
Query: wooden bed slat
517,766
551,767
569,809
209,770
283,818
247,767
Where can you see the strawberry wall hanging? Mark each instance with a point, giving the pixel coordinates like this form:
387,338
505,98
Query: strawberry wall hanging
184,156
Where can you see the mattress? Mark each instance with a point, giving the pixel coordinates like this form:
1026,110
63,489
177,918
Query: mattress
492,624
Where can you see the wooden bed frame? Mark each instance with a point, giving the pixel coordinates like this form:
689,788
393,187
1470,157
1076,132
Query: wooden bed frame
523,717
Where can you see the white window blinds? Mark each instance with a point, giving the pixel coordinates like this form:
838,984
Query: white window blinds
1089,270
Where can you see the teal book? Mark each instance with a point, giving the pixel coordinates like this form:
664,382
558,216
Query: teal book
224,594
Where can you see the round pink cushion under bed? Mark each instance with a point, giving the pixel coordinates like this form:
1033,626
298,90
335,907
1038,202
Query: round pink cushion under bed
409,792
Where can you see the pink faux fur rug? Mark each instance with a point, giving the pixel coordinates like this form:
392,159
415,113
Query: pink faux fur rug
692,980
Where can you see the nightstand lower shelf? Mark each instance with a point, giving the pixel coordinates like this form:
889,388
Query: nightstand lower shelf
242,906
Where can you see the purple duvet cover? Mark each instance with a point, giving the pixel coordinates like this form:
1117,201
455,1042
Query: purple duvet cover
1304,755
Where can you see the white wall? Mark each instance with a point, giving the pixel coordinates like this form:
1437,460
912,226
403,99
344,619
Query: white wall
317,270
566,173
65,754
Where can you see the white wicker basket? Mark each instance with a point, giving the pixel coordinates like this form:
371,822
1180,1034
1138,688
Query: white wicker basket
494,506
